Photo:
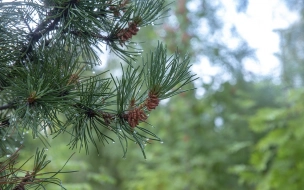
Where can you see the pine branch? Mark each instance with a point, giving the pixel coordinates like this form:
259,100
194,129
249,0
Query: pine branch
38,33
16,178
49,81
44,28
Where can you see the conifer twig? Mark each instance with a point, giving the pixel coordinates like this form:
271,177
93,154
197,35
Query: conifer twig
7,106
42,29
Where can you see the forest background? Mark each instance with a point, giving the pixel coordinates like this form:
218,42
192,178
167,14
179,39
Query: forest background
245,131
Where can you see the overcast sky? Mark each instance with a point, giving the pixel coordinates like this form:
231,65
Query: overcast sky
256,26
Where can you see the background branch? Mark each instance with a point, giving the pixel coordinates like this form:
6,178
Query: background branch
7,106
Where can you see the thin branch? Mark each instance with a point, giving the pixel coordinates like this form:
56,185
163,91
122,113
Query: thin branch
28,26
43,28
7,106
37,35
95,35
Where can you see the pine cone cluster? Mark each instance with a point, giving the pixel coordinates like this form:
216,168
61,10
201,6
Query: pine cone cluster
135,116
152,101
127,33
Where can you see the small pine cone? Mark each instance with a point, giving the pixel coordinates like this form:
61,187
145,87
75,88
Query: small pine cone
31,99
73,79
152,101
108,118
127,33
133,29
115,11
136,115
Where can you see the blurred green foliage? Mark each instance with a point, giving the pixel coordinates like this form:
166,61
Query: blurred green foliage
276,161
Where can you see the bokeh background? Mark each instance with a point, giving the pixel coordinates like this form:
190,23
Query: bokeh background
243,126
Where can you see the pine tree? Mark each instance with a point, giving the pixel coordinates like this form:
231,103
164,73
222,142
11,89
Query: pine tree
46,45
